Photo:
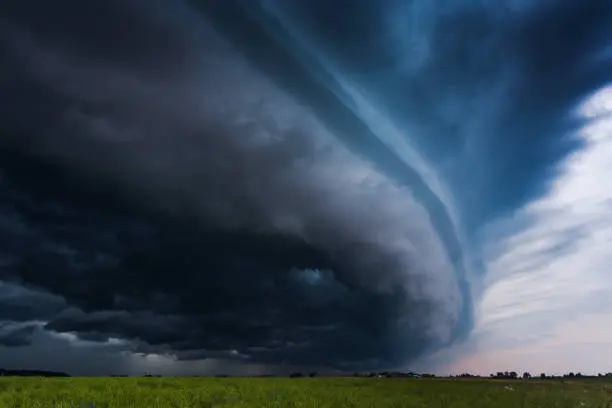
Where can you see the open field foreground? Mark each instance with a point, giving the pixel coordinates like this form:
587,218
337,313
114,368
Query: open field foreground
303,392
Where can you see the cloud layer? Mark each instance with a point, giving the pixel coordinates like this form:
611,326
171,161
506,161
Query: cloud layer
166,193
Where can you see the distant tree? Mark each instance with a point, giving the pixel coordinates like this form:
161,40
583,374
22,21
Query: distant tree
543,376
31,373
599,374
571,375
296,375
313,374
526,375
513,374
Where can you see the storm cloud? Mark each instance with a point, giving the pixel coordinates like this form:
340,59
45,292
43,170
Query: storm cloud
205,180
197,209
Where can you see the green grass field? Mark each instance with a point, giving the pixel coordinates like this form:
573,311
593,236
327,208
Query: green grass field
301,392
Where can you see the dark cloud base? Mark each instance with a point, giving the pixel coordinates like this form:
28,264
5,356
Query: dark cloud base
162,240
181,287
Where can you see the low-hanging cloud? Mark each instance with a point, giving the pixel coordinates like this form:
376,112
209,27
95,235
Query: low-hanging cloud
159,190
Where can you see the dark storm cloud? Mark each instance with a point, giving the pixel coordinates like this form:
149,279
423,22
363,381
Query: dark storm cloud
12,335
109,30
157,189
21,305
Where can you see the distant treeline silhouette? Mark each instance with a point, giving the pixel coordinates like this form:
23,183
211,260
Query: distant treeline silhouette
504,375
511,375
31,373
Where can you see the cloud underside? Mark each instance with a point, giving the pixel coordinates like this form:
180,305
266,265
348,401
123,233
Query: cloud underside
163,193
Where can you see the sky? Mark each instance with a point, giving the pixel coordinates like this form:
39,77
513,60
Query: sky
257,187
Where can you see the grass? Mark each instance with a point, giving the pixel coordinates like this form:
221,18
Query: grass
18,392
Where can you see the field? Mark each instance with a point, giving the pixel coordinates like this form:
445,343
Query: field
301,392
